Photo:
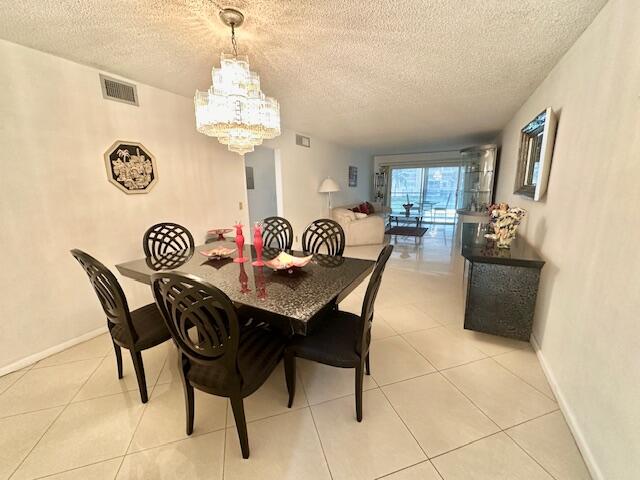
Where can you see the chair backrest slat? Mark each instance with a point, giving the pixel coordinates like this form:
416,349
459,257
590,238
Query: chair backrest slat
186,301
278,231
108,290
370,298
324,236
164,238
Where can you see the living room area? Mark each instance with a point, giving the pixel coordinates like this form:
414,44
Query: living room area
319,240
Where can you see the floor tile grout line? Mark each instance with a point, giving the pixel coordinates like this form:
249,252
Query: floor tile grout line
13,383
144,410
523,379
520,378
531,419
77,468
171,442
470,400
68,362
380,385
486,356
529,455
440,474
487,436
404,423
64,408
34,411
315,426
104,359
484,437
386,475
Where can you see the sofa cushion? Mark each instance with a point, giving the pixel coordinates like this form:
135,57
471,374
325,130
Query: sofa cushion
360,215
343,215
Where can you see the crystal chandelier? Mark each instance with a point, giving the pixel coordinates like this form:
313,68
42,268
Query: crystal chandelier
234,109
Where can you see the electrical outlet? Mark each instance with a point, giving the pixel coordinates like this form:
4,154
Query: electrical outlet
240,205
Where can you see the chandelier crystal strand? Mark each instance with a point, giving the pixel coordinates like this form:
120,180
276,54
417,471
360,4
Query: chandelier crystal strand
234,109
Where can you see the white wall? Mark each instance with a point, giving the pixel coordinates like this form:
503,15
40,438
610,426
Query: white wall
587,230
55,195
303,169
262,199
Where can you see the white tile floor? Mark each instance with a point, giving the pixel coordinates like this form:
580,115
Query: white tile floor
441,403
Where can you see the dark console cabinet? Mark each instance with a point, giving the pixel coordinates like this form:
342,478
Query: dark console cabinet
502,284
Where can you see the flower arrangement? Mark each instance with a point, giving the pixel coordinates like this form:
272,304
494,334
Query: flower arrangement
505,221
407,206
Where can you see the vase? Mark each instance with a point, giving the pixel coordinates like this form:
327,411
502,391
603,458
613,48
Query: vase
240,244
257,243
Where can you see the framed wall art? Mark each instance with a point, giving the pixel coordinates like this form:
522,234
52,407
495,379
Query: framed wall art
131,167
353,176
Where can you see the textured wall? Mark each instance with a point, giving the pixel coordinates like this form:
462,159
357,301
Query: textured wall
587,230
55,194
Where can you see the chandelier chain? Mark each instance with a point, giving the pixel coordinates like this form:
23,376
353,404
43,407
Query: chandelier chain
233,40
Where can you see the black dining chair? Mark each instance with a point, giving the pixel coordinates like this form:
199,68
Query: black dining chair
163,238
224,358
135,330
278,231
341,339
324,236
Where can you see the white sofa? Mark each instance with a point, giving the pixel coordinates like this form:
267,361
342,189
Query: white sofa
367,230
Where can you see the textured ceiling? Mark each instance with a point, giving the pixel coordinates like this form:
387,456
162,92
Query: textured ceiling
372,74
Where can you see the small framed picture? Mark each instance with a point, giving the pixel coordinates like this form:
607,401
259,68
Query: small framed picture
353,176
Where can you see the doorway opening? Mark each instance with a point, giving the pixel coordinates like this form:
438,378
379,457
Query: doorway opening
262,172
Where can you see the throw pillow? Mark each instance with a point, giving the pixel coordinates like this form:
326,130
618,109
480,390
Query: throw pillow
364,208
360,215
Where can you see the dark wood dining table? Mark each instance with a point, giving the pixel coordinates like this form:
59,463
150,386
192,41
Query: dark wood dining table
296,298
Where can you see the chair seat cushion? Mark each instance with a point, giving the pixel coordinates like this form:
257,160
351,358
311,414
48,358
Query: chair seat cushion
148,323
333,342
259,352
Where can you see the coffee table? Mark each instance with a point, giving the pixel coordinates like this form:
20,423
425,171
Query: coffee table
401,216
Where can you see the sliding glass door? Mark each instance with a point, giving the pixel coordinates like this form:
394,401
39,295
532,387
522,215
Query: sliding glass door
432,190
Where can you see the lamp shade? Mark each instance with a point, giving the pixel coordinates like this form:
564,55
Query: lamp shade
329,185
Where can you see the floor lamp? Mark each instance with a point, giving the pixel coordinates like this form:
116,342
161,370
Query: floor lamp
329,185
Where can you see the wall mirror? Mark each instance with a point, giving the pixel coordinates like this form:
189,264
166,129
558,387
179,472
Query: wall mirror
534,158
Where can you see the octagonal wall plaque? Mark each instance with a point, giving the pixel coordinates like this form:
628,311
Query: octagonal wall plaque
131,167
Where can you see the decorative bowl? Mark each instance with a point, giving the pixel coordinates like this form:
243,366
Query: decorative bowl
218,253
284,261
220,232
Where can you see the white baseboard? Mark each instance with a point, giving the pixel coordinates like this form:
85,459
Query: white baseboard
572,422
36,357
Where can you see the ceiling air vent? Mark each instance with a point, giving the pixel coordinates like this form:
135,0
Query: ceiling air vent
303,141
113,89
